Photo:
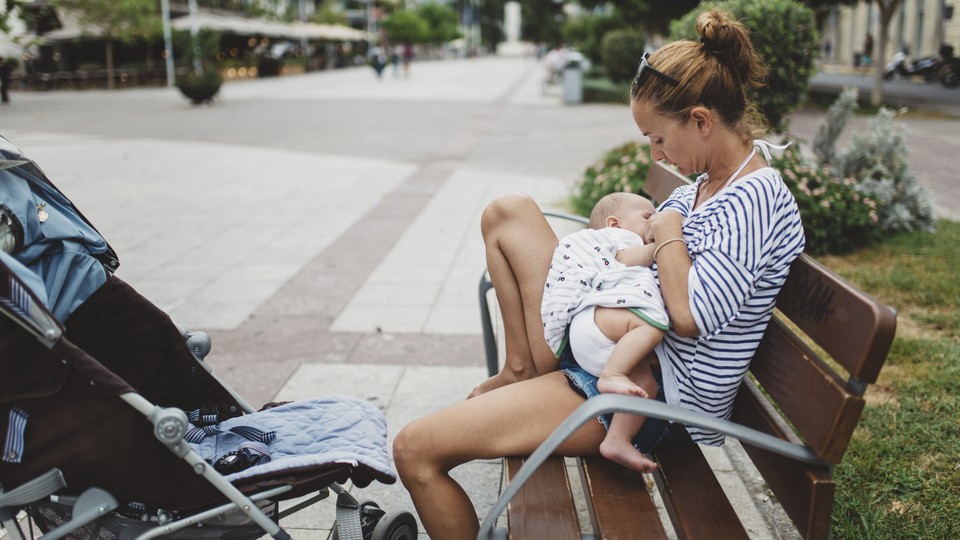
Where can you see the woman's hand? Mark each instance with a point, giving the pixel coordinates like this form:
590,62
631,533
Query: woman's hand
664,225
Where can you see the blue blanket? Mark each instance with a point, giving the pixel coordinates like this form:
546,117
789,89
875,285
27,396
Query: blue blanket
311,433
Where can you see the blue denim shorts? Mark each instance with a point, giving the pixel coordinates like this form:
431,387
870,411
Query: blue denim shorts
654,430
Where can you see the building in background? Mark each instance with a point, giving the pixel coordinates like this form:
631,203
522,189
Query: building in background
920,25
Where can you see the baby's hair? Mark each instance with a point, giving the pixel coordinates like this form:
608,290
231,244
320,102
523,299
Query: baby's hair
609,205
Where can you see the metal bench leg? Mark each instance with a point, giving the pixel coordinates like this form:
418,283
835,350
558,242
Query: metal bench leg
489,337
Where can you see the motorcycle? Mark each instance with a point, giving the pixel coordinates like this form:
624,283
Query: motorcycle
926,67
943,66
949,73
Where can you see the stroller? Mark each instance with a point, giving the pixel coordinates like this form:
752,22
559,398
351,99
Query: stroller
112,426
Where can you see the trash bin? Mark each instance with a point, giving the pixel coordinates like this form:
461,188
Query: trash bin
572,82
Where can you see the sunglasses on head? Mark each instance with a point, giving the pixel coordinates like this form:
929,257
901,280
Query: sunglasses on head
645,68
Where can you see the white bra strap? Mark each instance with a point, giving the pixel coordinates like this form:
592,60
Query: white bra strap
765,148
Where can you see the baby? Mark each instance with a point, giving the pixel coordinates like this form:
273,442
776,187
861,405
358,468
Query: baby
602,297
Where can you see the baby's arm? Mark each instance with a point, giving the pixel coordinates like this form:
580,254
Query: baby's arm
637,255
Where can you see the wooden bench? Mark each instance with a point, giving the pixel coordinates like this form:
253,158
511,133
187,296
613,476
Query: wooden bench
794,416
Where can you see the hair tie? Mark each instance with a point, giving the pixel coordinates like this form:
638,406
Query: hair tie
704,41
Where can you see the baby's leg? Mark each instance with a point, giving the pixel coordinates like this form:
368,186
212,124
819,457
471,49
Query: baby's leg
635,340
618,447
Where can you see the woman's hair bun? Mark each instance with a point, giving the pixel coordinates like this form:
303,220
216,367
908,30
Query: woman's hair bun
726,38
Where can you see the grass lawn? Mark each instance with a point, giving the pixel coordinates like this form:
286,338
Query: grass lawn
900,477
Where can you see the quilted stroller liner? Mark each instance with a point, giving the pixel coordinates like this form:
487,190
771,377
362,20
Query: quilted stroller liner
59,408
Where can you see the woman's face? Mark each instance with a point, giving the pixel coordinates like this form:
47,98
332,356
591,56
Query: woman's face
670,140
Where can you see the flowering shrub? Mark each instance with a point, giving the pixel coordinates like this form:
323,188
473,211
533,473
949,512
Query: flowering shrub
877,159
837,216
620,169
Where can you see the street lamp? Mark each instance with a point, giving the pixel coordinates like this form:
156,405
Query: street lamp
194,30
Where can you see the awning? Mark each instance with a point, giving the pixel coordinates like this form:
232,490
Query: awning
273,29
73,30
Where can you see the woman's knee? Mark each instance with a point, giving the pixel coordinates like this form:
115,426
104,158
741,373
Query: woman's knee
505,208
411,454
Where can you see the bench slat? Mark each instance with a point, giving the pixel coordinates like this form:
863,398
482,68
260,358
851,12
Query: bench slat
618,502
822,408
850,325
806,492
544,508
661,181
694,499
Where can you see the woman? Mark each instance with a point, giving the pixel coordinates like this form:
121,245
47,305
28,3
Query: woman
724,247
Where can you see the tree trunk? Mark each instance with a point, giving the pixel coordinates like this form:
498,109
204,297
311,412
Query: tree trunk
887,9
110,83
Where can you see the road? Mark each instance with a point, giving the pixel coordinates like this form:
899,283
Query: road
899,92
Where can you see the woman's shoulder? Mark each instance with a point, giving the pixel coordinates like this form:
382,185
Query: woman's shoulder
763,183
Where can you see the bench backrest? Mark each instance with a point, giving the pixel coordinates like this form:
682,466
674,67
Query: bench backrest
826,342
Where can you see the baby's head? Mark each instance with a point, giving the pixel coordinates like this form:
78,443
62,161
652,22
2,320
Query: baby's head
623,210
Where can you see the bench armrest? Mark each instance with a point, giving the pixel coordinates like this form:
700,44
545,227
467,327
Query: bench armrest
564,215
612,403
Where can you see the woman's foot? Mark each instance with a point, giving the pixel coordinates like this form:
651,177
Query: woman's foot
619,383
625,454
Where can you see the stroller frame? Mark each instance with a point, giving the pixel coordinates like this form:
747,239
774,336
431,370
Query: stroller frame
170,425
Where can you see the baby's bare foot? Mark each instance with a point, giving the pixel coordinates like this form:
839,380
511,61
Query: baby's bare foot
625,454
619,384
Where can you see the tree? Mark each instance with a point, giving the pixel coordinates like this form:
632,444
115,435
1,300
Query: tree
441,23
541,21
120,20
887,9
10,6
654,16
406,27
327,14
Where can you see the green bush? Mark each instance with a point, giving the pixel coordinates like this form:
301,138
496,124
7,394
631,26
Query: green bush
877,159
785,35
199,88
603,90
621,51
837,217
586,33
620,169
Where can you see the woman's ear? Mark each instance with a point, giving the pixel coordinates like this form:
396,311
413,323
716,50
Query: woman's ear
702,117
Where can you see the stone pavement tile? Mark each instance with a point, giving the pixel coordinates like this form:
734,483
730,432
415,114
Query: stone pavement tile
208,205
419,349
438,249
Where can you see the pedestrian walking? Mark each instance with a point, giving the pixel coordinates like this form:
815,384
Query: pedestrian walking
5,71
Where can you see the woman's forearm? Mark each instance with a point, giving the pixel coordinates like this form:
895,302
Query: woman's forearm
674,266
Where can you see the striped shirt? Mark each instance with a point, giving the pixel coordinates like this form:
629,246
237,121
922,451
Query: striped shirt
741,242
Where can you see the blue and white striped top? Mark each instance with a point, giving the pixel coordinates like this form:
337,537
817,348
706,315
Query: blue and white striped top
742,242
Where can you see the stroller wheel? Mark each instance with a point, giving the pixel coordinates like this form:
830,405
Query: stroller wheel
370,515
396,526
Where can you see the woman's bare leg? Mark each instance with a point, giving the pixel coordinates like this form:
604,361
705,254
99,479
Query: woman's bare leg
519,244
510,420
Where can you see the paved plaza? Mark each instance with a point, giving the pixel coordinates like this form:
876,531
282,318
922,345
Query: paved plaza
324,228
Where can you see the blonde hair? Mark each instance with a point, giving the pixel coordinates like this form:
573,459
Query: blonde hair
715,72
611,204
